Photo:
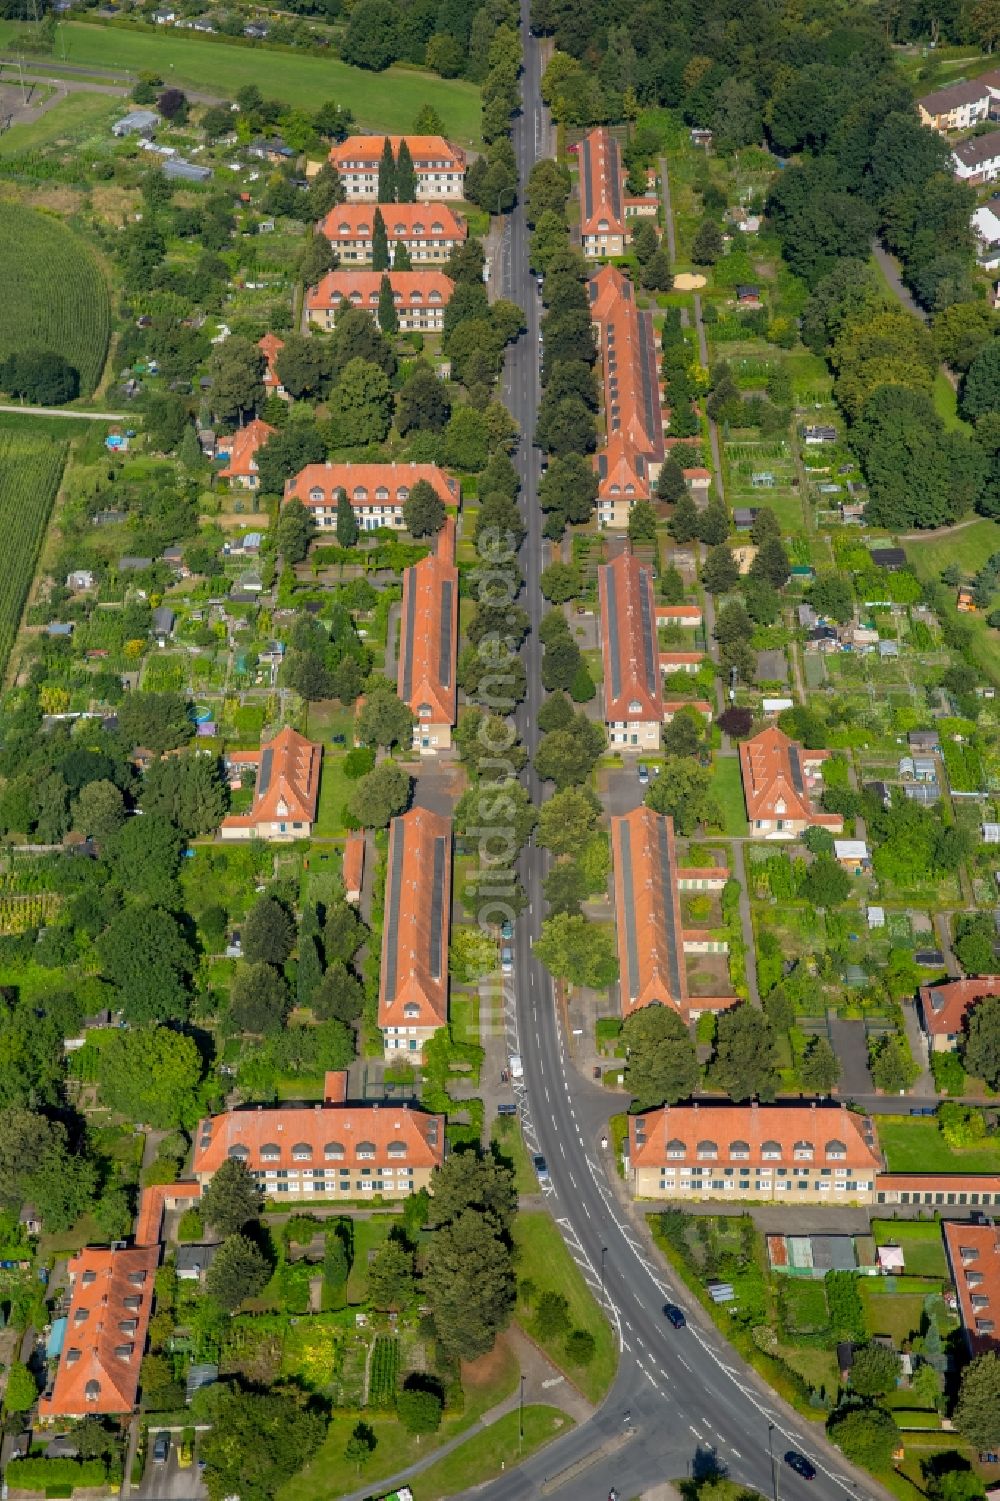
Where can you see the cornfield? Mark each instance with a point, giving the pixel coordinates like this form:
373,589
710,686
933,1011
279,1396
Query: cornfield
56,297
30,470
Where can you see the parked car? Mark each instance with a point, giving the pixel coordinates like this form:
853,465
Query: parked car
506,1109
507,930
516,1066
802,1466
643,775
161,1448
674,1315
507,960
541,1168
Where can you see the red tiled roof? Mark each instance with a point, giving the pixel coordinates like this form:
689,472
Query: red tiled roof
757,1134
413,984
425,151
271,346
417,289
601,200
621,473
974,1253
628,641
943,1183
318,1135
648,912
368,484
403,221
354,860
945,1006
633,406
152,1202
287,782
245,444
428,636
775,781
110,1304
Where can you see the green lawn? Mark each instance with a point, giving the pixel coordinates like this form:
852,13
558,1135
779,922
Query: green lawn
921,1243
946,403
72,116
895,1314
334,790
387,101
917,1146
368,1236
727,784
506,1137
481,1456
543,1259
969,548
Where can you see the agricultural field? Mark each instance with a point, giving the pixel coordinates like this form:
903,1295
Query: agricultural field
387,101
30,470
61,301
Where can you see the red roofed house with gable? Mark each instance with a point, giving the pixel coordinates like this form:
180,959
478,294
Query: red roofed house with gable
413,983
241,467
286,791
419,297
798,1154
328,1150
779,777
377,492
270,347
944,1008
439,166
428,644
111,1298
633,698
430,231
974,1254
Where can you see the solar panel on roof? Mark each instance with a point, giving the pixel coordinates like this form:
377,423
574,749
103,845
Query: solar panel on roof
613,173
588,195
264,780
407,642
614,645
444,663
392,912
796,765
669,910
628,916
649,642
437,909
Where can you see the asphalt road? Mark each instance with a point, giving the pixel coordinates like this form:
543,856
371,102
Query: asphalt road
680,1397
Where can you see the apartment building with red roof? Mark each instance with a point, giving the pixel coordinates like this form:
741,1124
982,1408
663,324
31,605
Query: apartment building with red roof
377,492
628,465
943,1008
285,793
633,698
652,943
241,465
974,1256
325,1151
439,166
413,983
430,231
604,230
792,1154
270,347
354,865
419,297
111,1298
779,780
428,644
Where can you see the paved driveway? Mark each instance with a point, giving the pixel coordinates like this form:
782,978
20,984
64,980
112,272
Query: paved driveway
849,1043
622,790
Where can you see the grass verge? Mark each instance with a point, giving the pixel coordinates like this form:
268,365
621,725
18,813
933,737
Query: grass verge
482,1456
542,1258
917,1146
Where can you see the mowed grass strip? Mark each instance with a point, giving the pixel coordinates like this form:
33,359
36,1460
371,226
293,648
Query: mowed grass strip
55,296
68,118
917,1146
30,471
481,1456
542,1258
385,101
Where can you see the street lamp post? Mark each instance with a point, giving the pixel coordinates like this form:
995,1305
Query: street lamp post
770,1450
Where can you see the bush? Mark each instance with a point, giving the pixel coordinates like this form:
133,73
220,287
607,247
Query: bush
191,1227
580,1347
55,1476
868,1436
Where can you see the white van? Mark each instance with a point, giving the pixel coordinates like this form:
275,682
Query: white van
516,1066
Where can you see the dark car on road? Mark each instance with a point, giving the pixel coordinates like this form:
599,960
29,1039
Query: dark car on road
161,1448
541,1167
674,1315
802,1466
